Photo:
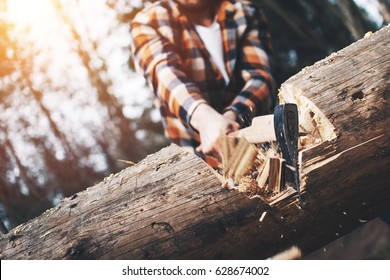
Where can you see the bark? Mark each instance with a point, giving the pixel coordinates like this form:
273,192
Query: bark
172,206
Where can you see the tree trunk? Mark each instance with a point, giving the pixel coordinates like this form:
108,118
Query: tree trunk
384,10
352,18
172,206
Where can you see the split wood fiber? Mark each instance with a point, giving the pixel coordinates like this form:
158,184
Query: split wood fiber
276,174
256,170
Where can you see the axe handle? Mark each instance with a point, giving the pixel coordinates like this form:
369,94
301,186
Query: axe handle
261,130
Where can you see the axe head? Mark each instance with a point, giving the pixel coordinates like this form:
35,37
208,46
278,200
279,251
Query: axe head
281,127
287,132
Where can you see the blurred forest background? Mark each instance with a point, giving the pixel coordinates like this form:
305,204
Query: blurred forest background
71,104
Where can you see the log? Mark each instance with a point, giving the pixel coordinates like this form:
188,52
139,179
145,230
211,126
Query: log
172,205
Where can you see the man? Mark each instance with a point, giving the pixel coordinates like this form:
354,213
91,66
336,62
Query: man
209,66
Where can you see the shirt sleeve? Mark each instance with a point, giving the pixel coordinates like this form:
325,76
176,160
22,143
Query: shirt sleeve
157,57
256,96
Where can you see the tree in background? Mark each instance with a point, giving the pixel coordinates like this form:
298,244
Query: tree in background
59,134
304,32
71,104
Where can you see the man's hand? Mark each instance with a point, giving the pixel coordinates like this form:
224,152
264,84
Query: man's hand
211,125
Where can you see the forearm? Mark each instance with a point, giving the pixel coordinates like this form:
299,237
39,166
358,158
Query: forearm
254,99
255,68
162,67
202,116
172,86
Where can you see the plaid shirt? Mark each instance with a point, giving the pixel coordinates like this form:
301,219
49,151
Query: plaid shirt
182,74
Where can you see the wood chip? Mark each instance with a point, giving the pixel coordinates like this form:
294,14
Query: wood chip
262,216
276,174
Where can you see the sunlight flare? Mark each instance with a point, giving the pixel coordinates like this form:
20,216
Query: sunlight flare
29,12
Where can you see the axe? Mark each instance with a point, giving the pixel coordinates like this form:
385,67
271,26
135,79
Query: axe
282,128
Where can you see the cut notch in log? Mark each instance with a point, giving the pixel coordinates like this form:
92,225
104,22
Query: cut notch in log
240,162
256,170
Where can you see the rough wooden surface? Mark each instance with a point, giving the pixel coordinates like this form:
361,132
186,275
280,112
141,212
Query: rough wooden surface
172,205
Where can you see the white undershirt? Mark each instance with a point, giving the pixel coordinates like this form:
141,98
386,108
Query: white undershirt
212,38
